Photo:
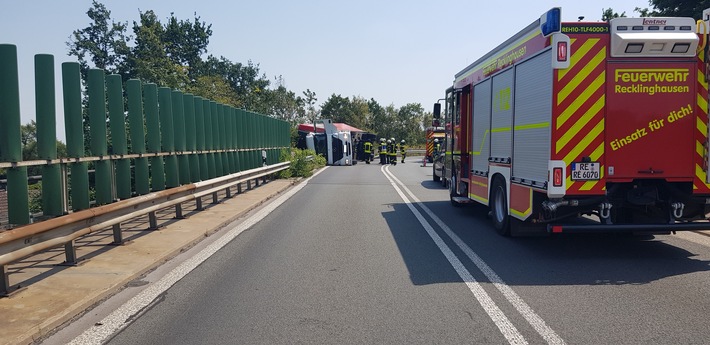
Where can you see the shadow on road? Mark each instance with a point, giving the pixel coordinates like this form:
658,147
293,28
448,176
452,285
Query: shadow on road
569,259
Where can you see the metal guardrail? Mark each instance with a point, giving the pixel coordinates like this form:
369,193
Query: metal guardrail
27,240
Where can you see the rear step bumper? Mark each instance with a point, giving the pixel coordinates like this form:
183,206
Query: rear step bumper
591,228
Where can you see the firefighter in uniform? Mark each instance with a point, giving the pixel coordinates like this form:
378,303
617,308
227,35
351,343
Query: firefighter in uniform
437,148
368,150
393,151
383,151
403,150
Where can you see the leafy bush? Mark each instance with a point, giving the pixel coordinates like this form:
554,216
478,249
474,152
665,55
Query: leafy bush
301,166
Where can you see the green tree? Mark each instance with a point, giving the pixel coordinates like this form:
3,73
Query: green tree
186,41
678,8
149,60
377,119
103,44
310,102
336,108
609,14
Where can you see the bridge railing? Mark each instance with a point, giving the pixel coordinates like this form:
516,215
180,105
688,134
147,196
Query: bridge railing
163,139
21,242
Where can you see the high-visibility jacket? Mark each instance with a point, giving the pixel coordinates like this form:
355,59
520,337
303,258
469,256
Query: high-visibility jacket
368,147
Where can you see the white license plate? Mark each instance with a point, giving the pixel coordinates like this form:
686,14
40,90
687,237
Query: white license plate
585,171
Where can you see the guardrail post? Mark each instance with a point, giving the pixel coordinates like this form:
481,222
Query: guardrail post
198,203
117,234
70,253
215,198
248,184
152,221
4,282
239,188
178,212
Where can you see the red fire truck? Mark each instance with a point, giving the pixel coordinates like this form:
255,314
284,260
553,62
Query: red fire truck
433,133
584,127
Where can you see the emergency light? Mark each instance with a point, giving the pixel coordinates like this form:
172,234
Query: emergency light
550,22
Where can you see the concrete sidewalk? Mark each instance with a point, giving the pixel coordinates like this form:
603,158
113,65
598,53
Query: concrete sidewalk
52,294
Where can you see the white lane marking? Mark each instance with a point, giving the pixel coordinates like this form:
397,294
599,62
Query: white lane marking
523,308
122,316
501,321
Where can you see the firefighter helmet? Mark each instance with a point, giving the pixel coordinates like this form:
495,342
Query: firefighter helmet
402,141
436,140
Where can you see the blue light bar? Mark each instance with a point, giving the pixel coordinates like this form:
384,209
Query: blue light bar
550,22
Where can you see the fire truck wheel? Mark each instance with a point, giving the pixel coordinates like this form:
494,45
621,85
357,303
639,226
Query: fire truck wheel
499,207
433,171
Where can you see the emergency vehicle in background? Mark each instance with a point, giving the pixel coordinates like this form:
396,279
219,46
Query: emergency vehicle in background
585,127
431,134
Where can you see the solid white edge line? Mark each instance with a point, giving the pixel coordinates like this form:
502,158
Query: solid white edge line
501,321
122,316
523,308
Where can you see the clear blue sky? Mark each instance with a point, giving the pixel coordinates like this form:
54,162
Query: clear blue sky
394,51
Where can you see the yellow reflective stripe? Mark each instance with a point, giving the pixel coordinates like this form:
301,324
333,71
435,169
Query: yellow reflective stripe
483,142
700,149
586,117
702,103
500,129
532,126
583,98
577,150
581,76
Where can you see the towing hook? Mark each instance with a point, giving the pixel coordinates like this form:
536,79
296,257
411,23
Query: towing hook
605,210
677,209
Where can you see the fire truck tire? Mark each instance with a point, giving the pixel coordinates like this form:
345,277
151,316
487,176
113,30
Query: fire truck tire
433,172
499,207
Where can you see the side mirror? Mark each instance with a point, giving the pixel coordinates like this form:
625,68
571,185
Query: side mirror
437,110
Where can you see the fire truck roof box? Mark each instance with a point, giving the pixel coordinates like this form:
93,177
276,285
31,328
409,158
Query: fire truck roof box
643,37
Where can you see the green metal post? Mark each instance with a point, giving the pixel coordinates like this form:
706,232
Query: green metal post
223,137
10,134
229,117
99,147
117,121
73,124
215,138
240,140
168,135
200,137
152,121
191,136
180,140
209,143
52,199
137,131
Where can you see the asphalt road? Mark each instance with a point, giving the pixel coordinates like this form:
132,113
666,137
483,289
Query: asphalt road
367,254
